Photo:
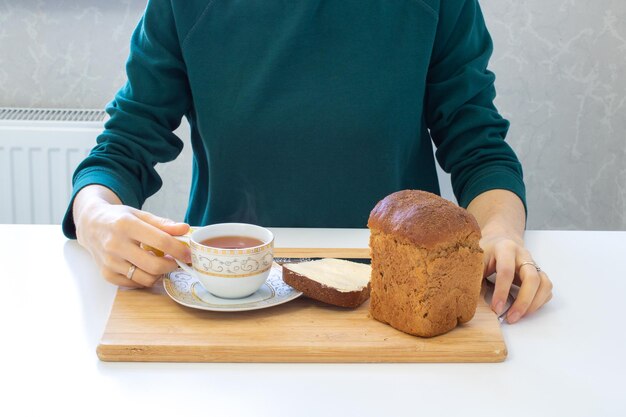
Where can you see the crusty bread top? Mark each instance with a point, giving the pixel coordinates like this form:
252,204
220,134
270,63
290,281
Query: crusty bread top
424,219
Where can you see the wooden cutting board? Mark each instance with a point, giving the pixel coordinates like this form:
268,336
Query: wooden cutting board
148,326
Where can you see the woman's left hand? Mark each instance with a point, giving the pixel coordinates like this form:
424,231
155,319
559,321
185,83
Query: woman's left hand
513,264
502,218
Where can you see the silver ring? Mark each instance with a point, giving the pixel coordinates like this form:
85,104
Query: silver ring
530,263
130,272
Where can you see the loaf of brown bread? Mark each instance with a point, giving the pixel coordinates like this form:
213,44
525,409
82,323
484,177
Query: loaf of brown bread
427,265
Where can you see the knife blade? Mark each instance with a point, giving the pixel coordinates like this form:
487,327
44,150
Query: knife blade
284,260
490,282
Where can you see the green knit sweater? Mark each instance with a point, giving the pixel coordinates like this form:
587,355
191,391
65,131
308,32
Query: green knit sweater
305,113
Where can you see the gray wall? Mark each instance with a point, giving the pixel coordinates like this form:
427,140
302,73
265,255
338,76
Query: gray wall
561,69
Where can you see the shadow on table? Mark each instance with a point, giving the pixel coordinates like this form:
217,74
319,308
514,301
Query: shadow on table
95,292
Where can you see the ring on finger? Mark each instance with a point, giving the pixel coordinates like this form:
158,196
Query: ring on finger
131,271
537,267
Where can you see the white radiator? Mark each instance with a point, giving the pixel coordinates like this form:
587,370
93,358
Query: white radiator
41,148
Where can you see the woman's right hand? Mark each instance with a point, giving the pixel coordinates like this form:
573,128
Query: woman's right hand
113,234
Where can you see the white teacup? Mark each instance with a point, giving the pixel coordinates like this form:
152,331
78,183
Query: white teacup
229,273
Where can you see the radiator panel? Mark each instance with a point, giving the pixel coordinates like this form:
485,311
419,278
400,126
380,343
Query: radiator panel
6,209
36,182
36,166
41,148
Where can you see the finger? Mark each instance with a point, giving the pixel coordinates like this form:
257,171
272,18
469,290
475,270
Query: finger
530,284
168,226
544,293
148,234
143,278
505,272
162,223
147,261
489,263
118,279
140,276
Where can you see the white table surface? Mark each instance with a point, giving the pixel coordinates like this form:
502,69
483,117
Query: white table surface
566,360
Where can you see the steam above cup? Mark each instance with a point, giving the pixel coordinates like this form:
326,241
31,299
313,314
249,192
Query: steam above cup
224,271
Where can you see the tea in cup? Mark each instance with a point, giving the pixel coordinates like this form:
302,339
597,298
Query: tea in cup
231,260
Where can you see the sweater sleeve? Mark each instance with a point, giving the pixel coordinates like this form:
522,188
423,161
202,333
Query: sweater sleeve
143,115
464,124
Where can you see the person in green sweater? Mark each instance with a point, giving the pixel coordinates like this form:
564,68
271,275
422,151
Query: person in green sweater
303,114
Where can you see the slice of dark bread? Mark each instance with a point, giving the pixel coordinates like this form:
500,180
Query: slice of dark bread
332,281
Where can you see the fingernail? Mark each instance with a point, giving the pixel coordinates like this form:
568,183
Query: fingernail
187,257
499,307
513,317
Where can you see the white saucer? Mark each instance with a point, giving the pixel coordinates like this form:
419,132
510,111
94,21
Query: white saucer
187,290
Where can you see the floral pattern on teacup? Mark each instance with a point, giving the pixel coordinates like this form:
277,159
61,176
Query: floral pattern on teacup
236,267
225,252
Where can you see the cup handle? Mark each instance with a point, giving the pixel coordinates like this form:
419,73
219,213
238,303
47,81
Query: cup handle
185,239
184,267
182,238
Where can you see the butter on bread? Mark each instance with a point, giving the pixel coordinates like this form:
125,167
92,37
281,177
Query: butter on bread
332,281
